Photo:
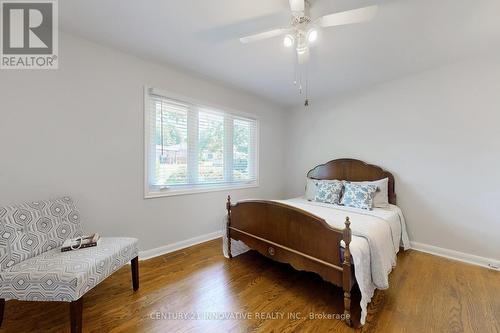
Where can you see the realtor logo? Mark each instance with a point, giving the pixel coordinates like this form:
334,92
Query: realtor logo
29,34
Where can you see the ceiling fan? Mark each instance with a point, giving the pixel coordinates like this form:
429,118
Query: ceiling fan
304,30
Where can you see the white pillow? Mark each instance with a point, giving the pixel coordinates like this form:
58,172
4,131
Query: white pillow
311,186
381,199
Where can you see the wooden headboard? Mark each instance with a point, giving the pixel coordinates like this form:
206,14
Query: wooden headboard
353,170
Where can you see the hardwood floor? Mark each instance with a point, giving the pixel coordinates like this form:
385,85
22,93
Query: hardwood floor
427,294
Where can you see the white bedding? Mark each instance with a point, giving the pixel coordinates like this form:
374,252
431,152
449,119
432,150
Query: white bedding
377,236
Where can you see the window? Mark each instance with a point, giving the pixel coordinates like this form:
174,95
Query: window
196,148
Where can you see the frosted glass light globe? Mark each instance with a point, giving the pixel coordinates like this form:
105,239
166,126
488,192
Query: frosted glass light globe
312,35
288,41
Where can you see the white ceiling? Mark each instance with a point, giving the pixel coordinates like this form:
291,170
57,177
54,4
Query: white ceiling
407,36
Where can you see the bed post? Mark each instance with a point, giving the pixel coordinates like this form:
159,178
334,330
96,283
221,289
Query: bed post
228,224
346,266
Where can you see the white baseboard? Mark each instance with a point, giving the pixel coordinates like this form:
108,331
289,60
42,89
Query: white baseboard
431,249
455,255
148,254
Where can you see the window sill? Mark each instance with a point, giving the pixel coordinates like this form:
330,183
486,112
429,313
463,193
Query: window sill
151,194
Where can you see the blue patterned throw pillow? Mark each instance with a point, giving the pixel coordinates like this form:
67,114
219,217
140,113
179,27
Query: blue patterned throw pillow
359,195
328,191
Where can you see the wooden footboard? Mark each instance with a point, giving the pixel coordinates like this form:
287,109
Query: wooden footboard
291,235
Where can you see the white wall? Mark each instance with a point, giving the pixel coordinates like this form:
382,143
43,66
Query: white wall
437,132
79,131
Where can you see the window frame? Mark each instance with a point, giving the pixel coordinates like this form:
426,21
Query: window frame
150,192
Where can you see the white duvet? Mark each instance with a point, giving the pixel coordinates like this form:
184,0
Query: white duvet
377,236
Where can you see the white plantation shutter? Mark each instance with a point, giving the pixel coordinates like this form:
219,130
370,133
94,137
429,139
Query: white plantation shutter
211,149
244,149
191,146
168,141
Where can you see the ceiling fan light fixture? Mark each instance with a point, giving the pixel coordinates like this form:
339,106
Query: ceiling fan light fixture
304,31
288,41
312,35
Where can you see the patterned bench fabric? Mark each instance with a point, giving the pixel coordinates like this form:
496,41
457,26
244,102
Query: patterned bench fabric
30,229
66,276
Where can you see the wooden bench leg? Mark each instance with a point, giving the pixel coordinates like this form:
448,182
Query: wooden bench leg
76,310
2,308
135,273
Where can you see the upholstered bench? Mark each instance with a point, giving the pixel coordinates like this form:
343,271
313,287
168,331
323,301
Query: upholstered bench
33,268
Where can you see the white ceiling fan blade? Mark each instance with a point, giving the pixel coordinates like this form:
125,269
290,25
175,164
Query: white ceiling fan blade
297,5
351,16
264,35
303,55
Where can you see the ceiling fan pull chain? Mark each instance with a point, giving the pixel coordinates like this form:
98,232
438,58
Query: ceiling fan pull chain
295,73
300,78
306,102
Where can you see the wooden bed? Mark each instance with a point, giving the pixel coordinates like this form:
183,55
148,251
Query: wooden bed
299,238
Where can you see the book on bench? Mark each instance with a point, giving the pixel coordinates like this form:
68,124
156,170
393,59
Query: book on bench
80,242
